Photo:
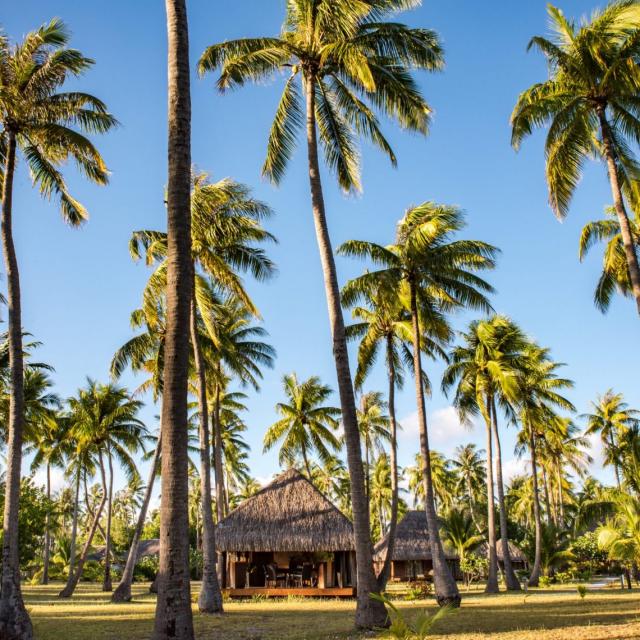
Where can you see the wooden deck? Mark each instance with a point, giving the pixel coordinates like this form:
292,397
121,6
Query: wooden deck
282,592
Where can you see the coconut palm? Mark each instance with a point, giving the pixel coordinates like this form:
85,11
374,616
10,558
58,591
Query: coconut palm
470,471
383,323
105,416
611,418
381,494
483,369
615,273
47,126
49,445
460,532
435,274
374,429
538,395
589,103
306,425
351,64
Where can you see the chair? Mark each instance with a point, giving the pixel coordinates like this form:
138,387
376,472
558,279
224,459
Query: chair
269,576
295,572
305,578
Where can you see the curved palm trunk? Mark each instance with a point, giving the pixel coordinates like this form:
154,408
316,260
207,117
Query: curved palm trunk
173,619
217,455
74,577
74,526
445,586
369,613
537,568
560,493
47,535
210,598
510,578
122,592
383,577
106,583
618,202
547,495
14,619
615,462
492,580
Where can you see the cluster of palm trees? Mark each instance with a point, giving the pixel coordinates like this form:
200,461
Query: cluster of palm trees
347,63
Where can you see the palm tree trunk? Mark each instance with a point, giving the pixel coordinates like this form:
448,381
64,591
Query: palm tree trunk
383,577
510,578
210,598
618,201
47,535
614,458
106,584
73,579
492,579
122,592
560,493
217,452
305,460
445,586
74,526
369,613
173,619
547,495
534,579
14,619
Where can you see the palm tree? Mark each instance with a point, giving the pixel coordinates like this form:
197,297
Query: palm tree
442,480
381,494
470,472
374,429
484,368
344,56
590,105
225,226
615,273
49,444
537,397
105,417
620,535
47,125
460,532
306,425
173,617
435,274
611,418
383,323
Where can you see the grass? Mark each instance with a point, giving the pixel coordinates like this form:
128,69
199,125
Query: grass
552,614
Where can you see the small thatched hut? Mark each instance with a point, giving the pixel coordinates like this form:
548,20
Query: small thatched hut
288,536
519,560
411,558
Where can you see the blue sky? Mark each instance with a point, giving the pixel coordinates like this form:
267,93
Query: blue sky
79,286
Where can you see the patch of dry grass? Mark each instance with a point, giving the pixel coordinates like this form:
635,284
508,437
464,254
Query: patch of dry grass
557,614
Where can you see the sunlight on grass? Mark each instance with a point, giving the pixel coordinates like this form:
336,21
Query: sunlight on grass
557,614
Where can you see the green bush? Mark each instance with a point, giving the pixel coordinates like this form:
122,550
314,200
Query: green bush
146,569
582,591
545,581
418,590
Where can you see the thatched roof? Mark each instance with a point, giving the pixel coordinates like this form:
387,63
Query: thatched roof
412,540
514,551
289,514
149,547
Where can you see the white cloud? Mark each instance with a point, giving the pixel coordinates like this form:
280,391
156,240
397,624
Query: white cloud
58,480
445,429
596,450
513,467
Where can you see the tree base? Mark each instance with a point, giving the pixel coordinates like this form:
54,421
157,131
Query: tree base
372,615
122,593
15,623
453,601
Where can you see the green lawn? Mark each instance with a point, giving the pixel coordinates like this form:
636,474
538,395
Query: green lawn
557,614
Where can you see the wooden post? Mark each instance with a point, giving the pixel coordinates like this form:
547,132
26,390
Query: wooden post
354,573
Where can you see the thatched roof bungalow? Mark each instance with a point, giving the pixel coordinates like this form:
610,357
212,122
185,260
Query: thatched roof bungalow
518,559
288,535
411,558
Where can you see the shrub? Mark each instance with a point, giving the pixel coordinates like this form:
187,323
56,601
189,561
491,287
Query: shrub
564,576
146,569
545,581
418,590
582,591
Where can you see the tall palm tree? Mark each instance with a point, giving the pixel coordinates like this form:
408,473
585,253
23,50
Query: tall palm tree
105,417
344,56
615,273
225,228
383,323
47,126
49,445
538,395
442,480
307,425
611,418
374,429
436,274
484,369
173,619
470,472
590,105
